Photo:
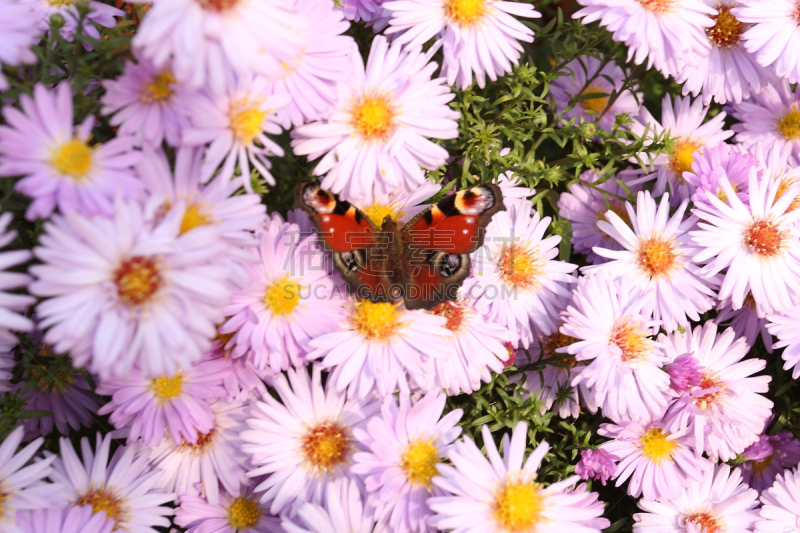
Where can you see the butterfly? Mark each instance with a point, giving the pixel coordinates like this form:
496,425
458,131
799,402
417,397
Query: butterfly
423,262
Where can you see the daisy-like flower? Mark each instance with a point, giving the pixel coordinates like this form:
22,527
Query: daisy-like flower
683,120
12,305
658,463
720,502
478,36
19,25
728,73
304,442
374,142
768,457
476,347
119,292
516,280
586,78
771,119
235,123
613,330
208,41
147,103
70,519
726,412
99,13
596,464
780,512
177,404
125,487
665,32
586,203
657,258
59,166
502,494
756,243
774,34
344,512
785,328
289,300
214,463
21,486
718,163
243,514
403,446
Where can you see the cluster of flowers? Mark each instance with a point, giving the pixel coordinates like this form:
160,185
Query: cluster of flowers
255,396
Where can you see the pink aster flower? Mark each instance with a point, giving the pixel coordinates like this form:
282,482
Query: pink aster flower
768,457
516,280
12,305
657,258
21,480
613,331
402,448
685,373
119,292
720,502
125,487
684,121
59,166
587,78
780,512
304,442
235,123
596,464
99,13
70,519
289,300
665,32
715,164
176,404
729,73
726,412
771,118
376,139
502,494
656,463
756,242
19,25
243,514
773,35
147,103
72,403
481,37
785,327
586,203
344,512
208,41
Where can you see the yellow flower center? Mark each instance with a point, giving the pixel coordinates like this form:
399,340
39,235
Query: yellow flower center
246,121
518,506
326,445
789,125
137,280
656,446
760,466
106,500
657,256
597,104
521,266
631,337
419,462
764,239
465,12
373,117
683,157
708,522
243,513
160,89
377,212
59,3
453,312
784,184
553,342
618,210
657,6
73,158
727,30
165,387
282,297
194,217
376,320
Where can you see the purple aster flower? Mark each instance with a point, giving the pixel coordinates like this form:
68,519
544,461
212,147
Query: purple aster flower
685,373
716,164
242,514
19,25
773,34
12,304
100,13
780,512
771,118
480,37
747,322
596,464
59,167
344,511
70,519
768,457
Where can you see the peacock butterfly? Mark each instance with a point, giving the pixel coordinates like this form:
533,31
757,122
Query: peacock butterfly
423,262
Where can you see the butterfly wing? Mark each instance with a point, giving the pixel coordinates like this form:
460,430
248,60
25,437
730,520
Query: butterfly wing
438,241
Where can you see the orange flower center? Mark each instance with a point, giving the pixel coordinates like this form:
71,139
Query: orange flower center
326,445
707,521
657,256
218,5
705,400
764,239
453,312
727,30
657,6
631,337
521,266
137,280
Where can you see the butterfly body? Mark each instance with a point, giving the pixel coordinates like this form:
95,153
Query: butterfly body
423,262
